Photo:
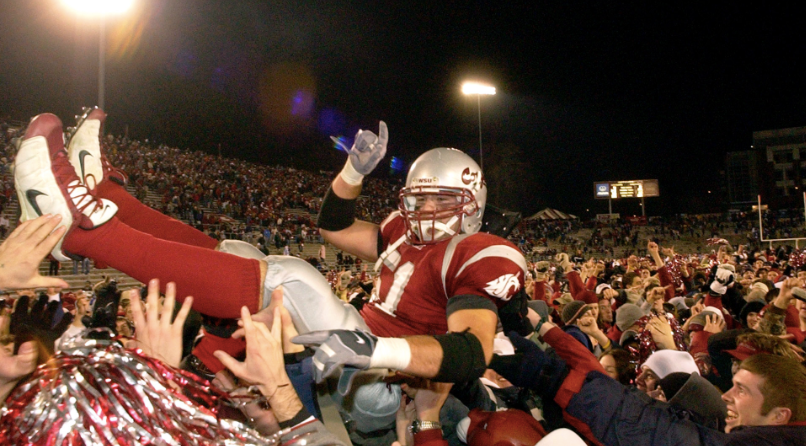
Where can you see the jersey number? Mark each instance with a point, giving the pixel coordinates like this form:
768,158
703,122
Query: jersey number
402,276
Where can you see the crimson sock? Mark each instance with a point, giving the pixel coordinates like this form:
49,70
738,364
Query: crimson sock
141,217
210,343
220,283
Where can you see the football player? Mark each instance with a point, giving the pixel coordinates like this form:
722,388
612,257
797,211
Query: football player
435,309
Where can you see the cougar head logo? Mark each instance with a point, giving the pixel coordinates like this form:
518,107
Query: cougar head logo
469,177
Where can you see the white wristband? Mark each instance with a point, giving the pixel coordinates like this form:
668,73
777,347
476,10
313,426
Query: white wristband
391,353
350,175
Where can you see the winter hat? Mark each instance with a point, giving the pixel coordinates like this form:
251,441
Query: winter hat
761,286
626,316
561,436
601,287
589,297
574,311
755,295
750,307
679,302
715,310
746,349
565,298
664,362
698,321
540,307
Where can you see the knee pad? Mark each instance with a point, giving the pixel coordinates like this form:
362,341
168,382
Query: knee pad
240,249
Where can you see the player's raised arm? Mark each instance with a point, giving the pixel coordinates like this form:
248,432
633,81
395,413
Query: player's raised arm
336,220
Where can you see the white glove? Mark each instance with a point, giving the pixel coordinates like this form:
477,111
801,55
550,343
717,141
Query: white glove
368,150
724,276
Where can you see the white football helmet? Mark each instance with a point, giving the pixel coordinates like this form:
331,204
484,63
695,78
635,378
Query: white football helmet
445,195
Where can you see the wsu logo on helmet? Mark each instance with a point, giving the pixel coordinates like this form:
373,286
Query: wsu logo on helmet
504,287
468,177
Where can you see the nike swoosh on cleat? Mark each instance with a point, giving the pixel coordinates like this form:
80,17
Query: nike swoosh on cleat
81,156
31,195
359,339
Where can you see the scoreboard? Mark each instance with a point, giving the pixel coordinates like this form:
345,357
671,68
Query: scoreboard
612,190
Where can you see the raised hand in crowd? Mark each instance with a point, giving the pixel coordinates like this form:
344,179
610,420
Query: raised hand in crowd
661,332
655,298
154,332
35,322
14,367
264,366
714,324
589,326
654,252
785,296
23,251
266,317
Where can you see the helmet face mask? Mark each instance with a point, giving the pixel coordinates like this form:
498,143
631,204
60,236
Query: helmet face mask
444,195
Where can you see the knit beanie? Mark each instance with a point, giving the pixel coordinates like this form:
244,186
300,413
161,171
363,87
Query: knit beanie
761,286
626,316
589,297
750,307
573,311
563,299
664,362
756,295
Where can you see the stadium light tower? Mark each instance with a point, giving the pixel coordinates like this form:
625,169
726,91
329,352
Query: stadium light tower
101,9
475,88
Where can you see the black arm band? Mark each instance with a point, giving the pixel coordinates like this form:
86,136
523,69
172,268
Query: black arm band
462,358
469,302
336,212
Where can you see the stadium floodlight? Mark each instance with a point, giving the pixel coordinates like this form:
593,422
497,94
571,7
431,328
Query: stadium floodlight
100,9
469,88
475,88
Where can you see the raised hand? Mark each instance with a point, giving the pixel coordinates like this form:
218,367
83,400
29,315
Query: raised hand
368,149
14,367
263,366
714,324
266,316
23,251
154,332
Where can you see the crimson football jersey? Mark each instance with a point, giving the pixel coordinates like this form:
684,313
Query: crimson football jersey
416,281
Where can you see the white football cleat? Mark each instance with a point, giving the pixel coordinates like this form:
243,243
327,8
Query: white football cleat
86,154
46,183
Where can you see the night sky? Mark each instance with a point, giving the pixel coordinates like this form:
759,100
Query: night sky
587,91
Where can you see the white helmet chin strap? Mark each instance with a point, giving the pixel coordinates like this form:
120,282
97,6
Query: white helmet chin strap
440,229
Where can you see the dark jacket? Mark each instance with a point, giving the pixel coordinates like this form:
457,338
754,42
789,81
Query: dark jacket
618,415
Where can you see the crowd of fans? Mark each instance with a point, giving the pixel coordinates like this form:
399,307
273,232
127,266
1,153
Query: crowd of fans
274,202
672,330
